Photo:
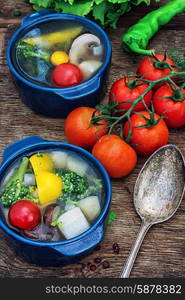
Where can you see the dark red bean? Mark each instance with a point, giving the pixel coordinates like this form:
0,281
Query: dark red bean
97,260
105,264
116,248
92,268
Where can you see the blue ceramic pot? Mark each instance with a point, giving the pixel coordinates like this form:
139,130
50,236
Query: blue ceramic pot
66,251
58,102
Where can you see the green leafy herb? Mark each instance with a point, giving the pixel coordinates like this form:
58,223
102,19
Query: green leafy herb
14,190
17,13
106,12
111,218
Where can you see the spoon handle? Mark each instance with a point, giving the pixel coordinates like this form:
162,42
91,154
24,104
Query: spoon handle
125,272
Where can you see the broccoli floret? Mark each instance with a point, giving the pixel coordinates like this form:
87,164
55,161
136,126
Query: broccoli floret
14,189
74,186
28,51
94,188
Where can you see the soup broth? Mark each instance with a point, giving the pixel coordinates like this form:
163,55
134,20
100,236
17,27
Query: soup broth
39,52
60,191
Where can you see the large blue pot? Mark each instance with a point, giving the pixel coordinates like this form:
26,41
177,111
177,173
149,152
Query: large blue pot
58,102
66,251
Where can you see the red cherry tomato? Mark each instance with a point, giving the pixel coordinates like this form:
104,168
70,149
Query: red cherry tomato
78,128
146,140
66,75
171,104
24,214
154,68
118,158
126,89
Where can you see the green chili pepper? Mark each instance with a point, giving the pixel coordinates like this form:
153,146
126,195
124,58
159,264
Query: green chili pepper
137,37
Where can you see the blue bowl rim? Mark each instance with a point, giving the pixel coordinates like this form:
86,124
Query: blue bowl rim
108,188
67,17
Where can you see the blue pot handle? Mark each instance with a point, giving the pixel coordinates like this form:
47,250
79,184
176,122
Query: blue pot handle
81,90
34,16
11,149
85,244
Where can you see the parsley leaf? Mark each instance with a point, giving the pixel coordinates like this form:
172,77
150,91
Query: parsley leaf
106,12
111,218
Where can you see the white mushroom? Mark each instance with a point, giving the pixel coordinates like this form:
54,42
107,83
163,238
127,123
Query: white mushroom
82,48
89,67
98,51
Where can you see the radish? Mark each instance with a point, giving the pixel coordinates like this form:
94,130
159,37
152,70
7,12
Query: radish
76,165
72,223
59,159
90,206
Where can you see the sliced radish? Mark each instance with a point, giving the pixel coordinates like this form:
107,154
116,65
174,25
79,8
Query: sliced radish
76,165
90,206
59,159
72,223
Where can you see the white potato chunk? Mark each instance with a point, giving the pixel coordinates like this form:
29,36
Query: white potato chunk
59,159
73,223
90,206
76,165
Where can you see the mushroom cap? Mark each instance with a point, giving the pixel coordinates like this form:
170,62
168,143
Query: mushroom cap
82,48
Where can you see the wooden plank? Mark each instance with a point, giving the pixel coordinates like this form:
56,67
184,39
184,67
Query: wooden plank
163,251
7,8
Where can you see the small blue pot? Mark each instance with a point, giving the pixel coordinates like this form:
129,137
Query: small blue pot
66,251
58,102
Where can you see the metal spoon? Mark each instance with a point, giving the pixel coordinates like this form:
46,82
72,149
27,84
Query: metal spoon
158,193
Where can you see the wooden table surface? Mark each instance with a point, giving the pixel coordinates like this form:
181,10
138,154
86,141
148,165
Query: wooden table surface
163,251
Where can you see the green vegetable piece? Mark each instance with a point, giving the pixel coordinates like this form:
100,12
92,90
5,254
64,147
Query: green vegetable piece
111,218
30,51
14,189
137,37
17,13
107,12
74,186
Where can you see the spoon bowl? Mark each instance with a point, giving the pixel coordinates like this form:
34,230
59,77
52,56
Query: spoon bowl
158,192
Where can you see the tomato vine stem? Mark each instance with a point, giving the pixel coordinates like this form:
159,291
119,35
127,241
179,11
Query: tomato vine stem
111,114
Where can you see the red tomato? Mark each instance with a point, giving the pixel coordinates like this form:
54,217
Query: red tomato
78,129
24,214
66,74
146,140
118,158
124,90
172,109
151,69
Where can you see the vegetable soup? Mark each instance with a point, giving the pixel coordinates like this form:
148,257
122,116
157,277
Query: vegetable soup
51,196
58,54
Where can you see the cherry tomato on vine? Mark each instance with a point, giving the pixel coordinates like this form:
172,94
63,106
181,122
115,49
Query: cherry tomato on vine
78,128
118,158
24,214
129,89
170,103
146,140
66,74
157,67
